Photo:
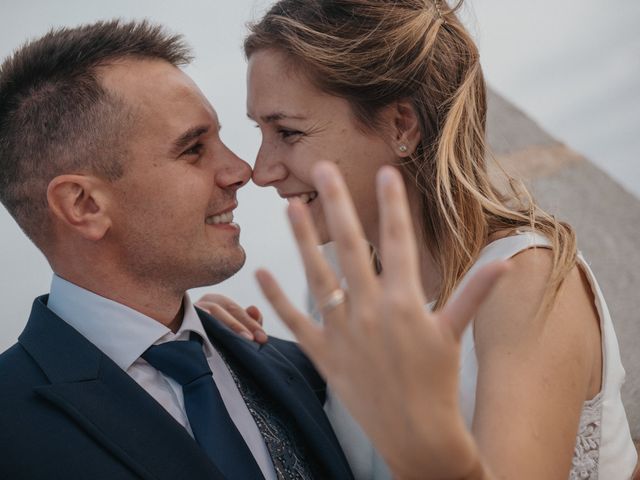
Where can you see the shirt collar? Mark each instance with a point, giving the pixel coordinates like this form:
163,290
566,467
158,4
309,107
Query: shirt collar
120,332
191,323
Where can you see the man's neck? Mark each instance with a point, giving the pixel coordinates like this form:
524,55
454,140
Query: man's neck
161,304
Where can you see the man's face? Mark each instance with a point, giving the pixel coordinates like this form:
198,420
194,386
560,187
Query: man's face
172,209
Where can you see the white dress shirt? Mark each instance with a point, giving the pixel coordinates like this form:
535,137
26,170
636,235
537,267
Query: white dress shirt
123,334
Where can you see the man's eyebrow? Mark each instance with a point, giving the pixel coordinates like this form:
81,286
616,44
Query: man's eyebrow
187,137
274,117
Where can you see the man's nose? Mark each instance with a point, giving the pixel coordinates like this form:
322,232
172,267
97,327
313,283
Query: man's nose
268,169
235,173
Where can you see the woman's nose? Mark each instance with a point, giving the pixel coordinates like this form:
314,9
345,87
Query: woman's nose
268,169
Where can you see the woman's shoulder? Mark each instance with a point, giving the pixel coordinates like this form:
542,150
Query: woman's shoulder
513,320
516,301
570,352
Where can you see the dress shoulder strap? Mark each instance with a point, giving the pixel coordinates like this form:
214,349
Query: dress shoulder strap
505,248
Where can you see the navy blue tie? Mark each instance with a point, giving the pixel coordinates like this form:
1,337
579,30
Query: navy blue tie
213,429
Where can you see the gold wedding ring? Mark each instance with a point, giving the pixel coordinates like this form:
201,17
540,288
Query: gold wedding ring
331,301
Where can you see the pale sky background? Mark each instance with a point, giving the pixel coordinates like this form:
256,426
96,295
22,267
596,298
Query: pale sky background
574,66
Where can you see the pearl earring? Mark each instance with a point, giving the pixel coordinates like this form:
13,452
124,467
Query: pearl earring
403,148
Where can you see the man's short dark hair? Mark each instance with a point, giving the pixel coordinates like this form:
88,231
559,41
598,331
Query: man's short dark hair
55,116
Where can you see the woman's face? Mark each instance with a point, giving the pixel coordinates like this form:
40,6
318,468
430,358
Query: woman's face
300,126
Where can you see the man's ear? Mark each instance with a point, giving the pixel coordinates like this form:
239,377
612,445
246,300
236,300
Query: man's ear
405,127
79,202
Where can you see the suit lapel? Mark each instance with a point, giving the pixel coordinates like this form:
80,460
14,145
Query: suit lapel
109,405
280,379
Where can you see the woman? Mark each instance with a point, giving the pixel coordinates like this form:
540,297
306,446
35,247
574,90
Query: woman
367,83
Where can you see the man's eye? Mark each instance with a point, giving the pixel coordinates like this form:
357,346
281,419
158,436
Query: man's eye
194,150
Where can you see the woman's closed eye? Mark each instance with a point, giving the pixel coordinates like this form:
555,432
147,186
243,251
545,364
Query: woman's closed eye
287,134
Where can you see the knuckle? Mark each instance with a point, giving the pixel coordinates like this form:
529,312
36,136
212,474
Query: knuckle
321,282
217,311
368,326
221,299
234,308
366,316
399,303
366,312
349,242
235,326
395,232
213,307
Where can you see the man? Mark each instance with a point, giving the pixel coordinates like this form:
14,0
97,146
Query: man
112,164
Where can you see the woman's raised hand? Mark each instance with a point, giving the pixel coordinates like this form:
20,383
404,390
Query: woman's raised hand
392,362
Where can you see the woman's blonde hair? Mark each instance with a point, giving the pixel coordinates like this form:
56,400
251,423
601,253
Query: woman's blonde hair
375,52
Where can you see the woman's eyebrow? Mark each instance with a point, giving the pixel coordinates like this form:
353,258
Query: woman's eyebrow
274,117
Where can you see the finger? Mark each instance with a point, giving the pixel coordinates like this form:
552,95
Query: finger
205,304
306,332
238,313
214,298
226,318
225,302
255,313
461,309
397,237
320,276
259,334
345,229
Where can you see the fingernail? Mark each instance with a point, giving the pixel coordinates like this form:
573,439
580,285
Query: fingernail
322,173
295,212
261,336
247,335
385,176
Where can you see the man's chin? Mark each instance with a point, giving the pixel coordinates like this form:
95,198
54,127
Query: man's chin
221,269
239,263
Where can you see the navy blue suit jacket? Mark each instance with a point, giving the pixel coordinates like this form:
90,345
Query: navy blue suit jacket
68,412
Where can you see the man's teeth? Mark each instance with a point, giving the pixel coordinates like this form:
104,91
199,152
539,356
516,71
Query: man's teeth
222,218
307,197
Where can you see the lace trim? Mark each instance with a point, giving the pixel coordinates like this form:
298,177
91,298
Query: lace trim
587,450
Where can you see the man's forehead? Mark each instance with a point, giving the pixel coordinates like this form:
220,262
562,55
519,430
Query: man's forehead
144,77
153,87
